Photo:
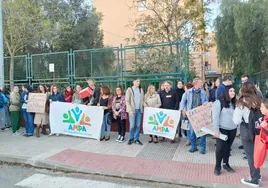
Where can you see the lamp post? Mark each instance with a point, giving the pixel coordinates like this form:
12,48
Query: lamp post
1,48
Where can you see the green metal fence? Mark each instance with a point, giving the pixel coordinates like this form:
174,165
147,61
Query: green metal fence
153,63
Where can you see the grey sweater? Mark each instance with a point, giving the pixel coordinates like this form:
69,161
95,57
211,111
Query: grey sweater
223,118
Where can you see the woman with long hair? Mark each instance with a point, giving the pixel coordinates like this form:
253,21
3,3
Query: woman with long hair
152,99
55,96
28,117
68,94
119,112
41,119
76,97
248,103
222,113
105,103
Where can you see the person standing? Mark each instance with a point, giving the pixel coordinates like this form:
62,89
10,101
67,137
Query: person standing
246,104
55,96
152,99
105,103
28,116
68,94
226,81
194,98
41,119
6,92
134,104
179,92
76,97
14,110
222,113
168,100
3,102
94,99
119,112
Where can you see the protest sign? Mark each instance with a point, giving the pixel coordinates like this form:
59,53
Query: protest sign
201,117
76,120
161,122
37,102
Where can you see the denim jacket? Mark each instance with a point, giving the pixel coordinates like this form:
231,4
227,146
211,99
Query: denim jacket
187,99
24,96
58,97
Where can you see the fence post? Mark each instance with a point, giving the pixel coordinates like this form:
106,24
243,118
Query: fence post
71,68
121,64
29,68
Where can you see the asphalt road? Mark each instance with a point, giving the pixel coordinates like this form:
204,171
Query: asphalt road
25,177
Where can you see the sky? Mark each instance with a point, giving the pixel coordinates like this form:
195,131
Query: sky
215,10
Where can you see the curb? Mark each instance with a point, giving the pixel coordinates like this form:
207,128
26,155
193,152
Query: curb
49,165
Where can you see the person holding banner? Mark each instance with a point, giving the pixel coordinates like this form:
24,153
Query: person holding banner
28,116
77,99
105,103
41,119
134,103
193,98
222,113
152,99
168,100
55,96
119,112
68,94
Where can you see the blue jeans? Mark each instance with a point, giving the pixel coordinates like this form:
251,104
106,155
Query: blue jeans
29,125
193,139
135,120
105,125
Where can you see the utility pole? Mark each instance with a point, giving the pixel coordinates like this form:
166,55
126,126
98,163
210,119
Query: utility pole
1,49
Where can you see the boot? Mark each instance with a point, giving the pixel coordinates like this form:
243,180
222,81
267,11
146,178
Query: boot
44,130
37,132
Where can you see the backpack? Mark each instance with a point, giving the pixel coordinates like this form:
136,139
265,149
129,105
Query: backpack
253,122
2,101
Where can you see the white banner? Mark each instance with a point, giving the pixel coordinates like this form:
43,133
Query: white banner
76,120
161,122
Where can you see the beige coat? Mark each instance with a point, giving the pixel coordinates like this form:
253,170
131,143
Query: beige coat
14,102
130,100
152,101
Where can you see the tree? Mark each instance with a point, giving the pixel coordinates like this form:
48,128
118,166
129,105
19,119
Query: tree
169,21
241,36
23,25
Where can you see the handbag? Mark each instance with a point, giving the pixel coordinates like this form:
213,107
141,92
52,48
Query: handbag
260,147
185,124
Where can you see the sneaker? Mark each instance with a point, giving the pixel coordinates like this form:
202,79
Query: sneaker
3,129
118,138
192,150
188,143
245,158
14,134
240,147
18,133
217,171
203,152
250,182
228,168
130,142
138,142
121,139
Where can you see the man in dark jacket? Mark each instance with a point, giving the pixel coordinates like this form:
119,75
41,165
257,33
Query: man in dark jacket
226,81
168,97
168,100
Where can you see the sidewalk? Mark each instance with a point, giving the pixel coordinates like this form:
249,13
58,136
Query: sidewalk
162,162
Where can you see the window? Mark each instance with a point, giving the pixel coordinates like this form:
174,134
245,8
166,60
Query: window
141,29
141,5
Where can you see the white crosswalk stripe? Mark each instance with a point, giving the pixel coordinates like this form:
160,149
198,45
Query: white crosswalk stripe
46,181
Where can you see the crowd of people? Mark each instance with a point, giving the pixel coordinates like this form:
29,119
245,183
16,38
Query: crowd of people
231,113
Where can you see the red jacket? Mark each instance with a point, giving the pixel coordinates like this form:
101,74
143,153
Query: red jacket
68,96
